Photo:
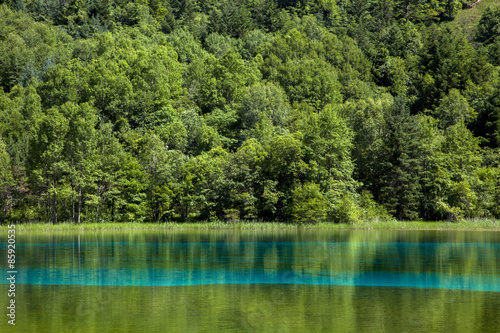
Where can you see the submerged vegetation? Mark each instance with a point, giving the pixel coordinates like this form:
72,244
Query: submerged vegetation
264,110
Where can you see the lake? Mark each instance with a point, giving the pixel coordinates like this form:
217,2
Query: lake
255,281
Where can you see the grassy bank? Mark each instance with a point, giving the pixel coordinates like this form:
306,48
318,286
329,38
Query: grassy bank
472,224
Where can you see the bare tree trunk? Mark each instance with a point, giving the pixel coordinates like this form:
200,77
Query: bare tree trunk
113,211
73,199
99,202
48,207
4,211
55,194
55,208
79,203
475,3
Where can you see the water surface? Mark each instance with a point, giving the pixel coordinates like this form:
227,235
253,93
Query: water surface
288,281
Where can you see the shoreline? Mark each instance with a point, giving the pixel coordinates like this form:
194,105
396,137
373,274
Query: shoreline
472,225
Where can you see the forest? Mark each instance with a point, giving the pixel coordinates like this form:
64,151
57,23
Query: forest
266,110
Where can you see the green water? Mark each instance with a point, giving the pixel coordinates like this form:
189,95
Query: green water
256,281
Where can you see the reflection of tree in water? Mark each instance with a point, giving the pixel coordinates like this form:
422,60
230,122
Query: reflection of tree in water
290,258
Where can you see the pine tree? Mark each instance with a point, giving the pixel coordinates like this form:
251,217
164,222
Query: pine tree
398,183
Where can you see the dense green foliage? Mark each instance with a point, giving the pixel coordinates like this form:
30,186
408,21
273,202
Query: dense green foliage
305,111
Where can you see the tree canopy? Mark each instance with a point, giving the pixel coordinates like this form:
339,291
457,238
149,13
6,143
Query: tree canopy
301,111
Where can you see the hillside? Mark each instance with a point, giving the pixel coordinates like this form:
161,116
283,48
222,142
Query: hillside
468,17
267,110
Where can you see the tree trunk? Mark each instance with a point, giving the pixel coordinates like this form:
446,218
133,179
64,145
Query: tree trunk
113,211
97,215
55,194
4,211
73,200
79,203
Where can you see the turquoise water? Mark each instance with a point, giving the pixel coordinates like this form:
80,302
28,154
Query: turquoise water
223,264
254,281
